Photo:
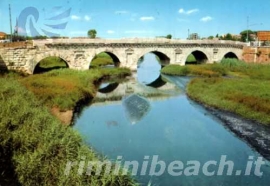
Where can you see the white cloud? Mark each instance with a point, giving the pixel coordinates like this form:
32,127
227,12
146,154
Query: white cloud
87,18
206,18
181,11
110,31
74,17
192,11
121,12
150,18
188,12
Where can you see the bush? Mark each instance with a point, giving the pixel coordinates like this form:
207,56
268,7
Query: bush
232,62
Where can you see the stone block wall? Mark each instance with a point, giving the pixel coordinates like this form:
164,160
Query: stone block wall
256,55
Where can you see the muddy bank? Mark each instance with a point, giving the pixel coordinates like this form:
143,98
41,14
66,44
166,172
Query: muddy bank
64,116
255,134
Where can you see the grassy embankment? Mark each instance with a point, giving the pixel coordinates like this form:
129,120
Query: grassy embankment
64,88
34,146
37,147
246,92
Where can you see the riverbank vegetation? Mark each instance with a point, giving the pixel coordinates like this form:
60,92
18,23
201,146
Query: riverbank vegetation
36,146
65,88
50,63
232,86
102,59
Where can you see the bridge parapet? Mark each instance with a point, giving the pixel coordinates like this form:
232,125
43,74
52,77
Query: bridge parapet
161,41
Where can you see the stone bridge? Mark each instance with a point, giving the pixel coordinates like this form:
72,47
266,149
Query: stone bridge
78,53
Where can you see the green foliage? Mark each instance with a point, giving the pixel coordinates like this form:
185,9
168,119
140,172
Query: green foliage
244,35
65,87
16,38
40,146
92,33
206,70
247,97
175,70
191,59
50,63
169,36
228,37
211,37
102,59
232,62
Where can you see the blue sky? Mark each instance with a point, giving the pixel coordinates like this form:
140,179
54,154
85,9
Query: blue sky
138,18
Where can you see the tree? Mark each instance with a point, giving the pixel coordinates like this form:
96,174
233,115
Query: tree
221,37
211,37
244,35
228,37
217,36
169,36
92,33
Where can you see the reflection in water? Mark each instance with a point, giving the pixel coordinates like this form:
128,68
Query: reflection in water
136,107
167,125
148,69
159,82
179,82
107,88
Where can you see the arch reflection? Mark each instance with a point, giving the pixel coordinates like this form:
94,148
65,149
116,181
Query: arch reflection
108,88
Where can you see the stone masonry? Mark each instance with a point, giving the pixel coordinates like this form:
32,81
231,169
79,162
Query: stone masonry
78,53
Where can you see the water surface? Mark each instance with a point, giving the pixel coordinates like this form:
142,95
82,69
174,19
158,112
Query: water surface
173,127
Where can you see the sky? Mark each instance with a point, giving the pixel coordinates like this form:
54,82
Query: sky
134,18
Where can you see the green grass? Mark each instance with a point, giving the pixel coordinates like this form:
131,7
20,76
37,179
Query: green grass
191,59
101,59
50,63
204,70
64,88
39,146
247,93
250,98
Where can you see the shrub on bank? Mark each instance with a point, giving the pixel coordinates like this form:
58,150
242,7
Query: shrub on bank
41,146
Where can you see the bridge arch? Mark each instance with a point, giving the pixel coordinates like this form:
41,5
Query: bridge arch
164,59
115,59
3,66
149,65
200,56
231,55
109,88
39,69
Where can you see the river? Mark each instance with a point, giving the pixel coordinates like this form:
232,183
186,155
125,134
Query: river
153,121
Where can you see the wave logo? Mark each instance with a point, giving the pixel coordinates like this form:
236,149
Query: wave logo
29,23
